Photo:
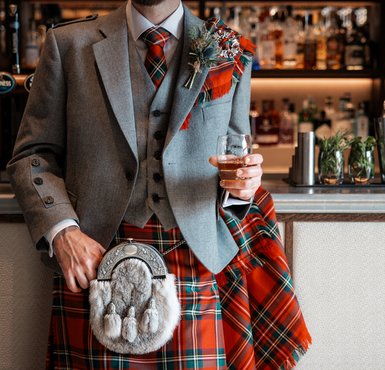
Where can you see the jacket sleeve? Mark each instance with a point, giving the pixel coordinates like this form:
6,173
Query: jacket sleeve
35,171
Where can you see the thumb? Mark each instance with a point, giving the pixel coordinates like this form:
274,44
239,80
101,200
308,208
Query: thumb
214,161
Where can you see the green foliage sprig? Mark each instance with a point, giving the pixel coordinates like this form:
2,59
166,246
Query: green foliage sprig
329,147
359,161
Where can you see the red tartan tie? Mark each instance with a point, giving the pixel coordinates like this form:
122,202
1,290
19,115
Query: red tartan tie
155,39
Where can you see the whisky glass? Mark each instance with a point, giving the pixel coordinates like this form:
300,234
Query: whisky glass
231,152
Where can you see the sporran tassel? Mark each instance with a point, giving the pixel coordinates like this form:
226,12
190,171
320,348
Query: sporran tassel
150,320
130,331
112,322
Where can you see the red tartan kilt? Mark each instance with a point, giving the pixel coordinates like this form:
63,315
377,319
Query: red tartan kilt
245,318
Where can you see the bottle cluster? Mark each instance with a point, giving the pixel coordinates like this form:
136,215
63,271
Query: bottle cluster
297,38
272,127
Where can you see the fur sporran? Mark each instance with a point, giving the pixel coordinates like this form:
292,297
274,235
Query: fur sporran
133,302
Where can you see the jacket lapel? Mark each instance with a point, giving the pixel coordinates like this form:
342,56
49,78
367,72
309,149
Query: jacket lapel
184,98
111,55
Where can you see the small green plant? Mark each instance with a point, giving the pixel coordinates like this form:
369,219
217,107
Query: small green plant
361,163
329,147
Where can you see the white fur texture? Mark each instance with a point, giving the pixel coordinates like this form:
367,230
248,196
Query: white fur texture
132,284
112,325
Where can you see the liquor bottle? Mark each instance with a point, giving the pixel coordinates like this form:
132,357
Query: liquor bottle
32,47
234,19
285,124
294,118
313,109
361,124
14,31
267,134
253,116
266,44
310,47
305,119
354,50
289,40
329,110
343,121
300,40
255,25
322,127
321,49
277,33
333,59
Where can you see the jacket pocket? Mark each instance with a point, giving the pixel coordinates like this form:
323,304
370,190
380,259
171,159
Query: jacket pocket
214,111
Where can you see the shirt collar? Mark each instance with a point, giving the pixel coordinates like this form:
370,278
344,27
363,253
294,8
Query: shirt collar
137,23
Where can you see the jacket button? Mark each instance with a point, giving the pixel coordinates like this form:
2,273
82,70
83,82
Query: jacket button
158,135
157,113
157,177
48,200
130,176
38,180
158,155
35,162
155,198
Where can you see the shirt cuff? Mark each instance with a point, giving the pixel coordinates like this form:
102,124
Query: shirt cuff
229,200
51,233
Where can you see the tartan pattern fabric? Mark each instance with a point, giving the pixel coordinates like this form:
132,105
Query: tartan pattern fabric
245,318
155,63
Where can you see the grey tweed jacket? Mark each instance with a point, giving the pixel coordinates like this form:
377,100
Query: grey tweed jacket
76,151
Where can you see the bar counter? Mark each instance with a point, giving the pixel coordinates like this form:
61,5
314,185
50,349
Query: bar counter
334,243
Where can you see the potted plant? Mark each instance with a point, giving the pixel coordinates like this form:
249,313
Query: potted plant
331,160
361,160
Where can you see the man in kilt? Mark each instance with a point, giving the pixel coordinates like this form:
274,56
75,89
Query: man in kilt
118,141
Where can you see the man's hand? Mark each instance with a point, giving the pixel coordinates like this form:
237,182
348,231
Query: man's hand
252,174
79,257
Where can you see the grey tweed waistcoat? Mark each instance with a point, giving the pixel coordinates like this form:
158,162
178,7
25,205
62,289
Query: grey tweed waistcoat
151,109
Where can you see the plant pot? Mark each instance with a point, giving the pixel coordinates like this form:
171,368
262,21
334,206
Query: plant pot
361,167
331,168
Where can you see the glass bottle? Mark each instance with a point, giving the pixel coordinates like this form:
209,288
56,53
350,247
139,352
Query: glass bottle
32,47
321,49
267,134
354,50
285,124
305,119
322,127
277,32
294,118
266,44
290,27
361,122
310,43
300,40
333,59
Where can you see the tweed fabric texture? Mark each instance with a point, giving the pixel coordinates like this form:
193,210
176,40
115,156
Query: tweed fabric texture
245,318
155,39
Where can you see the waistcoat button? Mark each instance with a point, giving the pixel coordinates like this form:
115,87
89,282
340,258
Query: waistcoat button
158,155
35,162
130,175
157,177
158,135
157,113
38,180
155,198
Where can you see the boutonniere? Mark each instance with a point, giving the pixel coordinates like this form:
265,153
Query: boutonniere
205,51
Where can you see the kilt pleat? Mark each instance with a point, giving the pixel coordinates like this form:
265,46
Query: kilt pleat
245,318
